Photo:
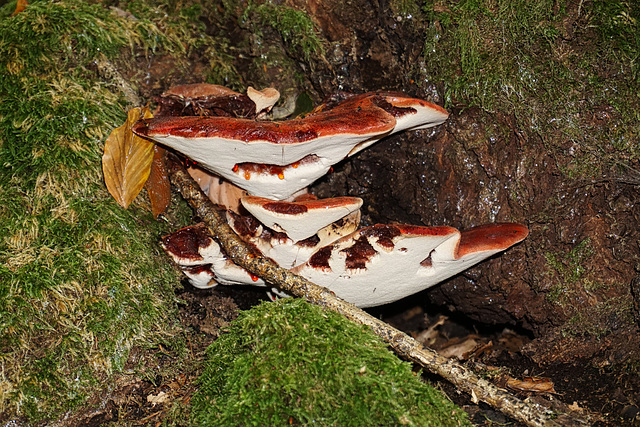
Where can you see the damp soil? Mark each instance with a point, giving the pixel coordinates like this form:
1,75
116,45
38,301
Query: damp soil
590,395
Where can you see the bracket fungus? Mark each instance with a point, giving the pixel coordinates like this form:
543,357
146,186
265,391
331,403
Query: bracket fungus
384,263
300,220
260,170
202,261
372,266
284,250
204,99
278,159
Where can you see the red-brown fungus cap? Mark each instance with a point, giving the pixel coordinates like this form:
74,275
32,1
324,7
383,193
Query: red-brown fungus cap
222,144
363,119
384,263
491,237
185,244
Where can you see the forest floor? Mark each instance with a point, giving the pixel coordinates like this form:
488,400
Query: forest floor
592,396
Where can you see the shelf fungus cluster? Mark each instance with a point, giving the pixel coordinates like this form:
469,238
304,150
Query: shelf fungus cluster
260,171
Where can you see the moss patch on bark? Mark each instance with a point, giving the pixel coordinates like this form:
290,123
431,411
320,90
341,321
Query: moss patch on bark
549,64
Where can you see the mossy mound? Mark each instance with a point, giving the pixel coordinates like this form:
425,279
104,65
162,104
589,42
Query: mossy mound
81,279
291,362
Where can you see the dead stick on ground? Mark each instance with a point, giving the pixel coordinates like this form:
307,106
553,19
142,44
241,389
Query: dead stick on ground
245,256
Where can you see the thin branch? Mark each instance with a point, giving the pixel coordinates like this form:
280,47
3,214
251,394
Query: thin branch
247,257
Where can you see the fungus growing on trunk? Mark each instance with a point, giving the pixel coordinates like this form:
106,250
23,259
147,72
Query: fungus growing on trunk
302,219
204,99
284,250
202,261
318,239
384,263
277,159
218,190
373,266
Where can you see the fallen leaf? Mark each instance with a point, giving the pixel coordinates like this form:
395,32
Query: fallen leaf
199,90
428,336
441,9
531,384
161,397
458,349
158,185
478,350
263,99
20,6
574,407
126,162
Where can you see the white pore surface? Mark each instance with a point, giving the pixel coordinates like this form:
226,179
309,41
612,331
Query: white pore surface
287,253
220,155
391,275
203,279
423,118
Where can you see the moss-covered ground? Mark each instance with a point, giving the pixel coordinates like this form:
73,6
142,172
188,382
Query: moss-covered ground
293,363
81,279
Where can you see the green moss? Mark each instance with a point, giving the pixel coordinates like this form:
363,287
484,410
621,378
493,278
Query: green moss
570,267
290,361
81,279
405,9
295,27
601,319
477,36
619,22
523,59
187,25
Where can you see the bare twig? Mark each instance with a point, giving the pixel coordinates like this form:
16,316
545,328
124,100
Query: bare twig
247,257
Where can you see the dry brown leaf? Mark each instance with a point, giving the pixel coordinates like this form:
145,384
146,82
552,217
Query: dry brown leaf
126,162
574,407
459,348
20,6
158,185
531,384
156,399
429,336
199,90
441,9
477,352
